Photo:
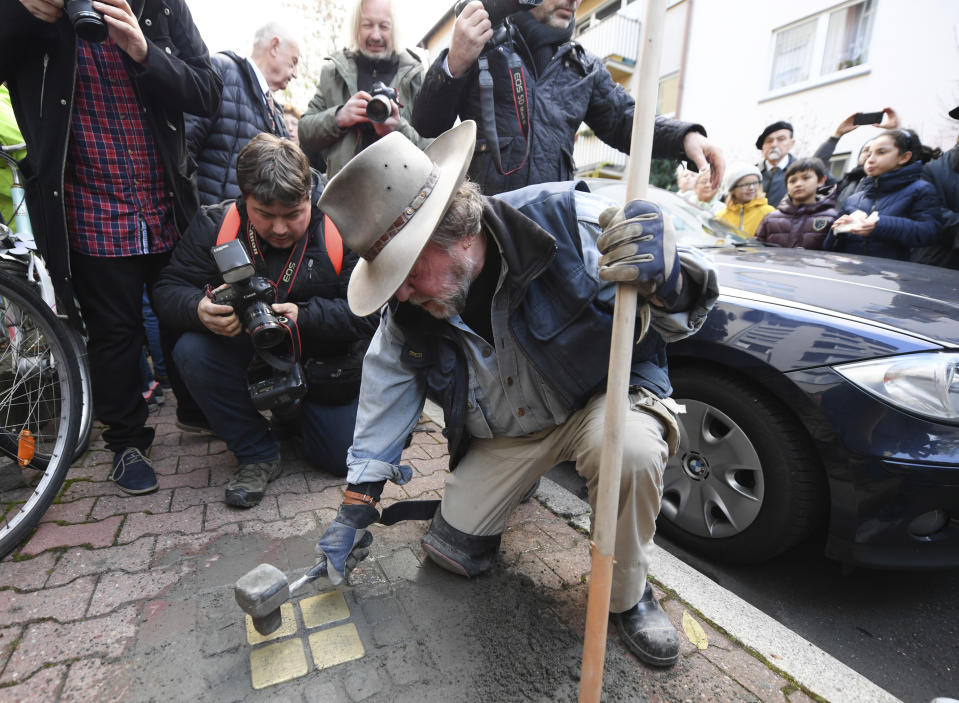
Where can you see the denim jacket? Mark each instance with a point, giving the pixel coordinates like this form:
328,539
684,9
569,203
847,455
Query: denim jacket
559,321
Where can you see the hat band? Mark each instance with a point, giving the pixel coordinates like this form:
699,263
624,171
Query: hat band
407,214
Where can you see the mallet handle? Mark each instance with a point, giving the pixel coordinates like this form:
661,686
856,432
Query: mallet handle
319,569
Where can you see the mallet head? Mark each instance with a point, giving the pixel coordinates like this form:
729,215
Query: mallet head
260,593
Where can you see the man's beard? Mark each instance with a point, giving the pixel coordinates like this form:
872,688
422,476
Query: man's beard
451,300
376,54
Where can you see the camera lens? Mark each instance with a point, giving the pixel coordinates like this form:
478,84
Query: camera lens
263,327
379,108
87,22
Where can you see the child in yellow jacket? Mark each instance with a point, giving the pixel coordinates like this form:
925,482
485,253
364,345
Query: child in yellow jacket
746,204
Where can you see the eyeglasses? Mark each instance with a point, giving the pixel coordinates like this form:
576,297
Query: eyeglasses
751,184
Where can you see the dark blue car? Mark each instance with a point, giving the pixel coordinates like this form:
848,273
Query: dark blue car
822,392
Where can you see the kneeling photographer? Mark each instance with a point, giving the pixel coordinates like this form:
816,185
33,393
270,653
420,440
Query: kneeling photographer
259,287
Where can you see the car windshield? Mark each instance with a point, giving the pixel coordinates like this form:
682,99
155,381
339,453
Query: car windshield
694,227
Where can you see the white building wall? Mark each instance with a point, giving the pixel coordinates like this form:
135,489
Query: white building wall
913,67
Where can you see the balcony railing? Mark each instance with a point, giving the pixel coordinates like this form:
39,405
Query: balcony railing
593,156
614,39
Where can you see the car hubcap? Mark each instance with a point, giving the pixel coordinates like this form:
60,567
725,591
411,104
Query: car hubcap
713,487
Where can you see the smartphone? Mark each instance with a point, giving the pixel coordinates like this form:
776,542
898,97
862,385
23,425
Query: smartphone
868,117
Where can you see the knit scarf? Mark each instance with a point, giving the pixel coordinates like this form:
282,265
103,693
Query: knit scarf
542,40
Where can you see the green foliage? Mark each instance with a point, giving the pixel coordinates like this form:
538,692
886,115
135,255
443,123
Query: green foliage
662,173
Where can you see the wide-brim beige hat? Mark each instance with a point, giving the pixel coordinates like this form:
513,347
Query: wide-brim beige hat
388,200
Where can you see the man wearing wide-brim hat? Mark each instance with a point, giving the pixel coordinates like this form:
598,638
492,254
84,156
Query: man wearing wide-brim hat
500,310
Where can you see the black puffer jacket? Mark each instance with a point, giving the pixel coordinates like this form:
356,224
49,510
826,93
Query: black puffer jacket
38,61
327,327
215,141
574,87
943,174
908,209
803,226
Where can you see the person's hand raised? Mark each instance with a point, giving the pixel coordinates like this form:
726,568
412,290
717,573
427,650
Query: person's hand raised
44,10
123,27
354,111
471,31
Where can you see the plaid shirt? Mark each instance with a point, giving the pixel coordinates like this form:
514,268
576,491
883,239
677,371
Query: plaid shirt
116,202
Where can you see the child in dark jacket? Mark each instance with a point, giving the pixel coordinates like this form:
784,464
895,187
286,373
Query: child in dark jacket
894,210
804,216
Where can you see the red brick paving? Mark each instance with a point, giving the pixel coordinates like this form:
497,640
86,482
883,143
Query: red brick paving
97,534
63,603
51,642
70,616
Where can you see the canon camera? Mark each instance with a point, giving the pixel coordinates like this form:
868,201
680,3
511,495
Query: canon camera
276,377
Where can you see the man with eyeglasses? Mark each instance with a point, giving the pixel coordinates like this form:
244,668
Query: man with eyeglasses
775,142
746,204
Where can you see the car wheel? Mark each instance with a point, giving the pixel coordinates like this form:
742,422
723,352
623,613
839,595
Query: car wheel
744,484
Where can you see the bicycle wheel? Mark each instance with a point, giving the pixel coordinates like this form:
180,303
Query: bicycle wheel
40,398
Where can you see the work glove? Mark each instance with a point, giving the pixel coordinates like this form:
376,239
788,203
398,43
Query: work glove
639,247
346,542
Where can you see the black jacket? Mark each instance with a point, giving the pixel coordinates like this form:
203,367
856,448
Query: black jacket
774,182
805,226
907,207
327,327
216,140
38,61
943,174
574,87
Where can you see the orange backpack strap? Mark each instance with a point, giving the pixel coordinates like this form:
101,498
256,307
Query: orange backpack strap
334,243
230,227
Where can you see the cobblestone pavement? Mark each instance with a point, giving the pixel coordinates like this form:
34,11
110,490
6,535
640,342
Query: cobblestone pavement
122,598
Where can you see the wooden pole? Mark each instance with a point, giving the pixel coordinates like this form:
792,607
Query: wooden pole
645,89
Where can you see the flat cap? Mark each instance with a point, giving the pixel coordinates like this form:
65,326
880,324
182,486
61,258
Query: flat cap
774,127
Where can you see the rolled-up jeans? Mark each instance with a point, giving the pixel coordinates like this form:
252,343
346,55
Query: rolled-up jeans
215,370
490,480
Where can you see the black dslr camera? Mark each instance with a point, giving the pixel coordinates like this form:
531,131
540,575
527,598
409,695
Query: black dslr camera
380,106
87,22
499,10
251,297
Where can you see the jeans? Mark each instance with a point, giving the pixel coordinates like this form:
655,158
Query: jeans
214,368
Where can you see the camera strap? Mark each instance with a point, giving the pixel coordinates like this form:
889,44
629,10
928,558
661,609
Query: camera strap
230,229
517,76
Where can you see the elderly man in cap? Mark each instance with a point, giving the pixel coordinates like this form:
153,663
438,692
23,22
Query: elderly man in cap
500,309
775,142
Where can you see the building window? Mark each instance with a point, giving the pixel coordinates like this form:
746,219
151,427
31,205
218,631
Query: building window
668,96
832,41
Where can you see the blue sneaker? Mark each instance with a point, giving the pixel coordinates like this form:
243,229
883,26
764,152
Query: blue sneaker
133,472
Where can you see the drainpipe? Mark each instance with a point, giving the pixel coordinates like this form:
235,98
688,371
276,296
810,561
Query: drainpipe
681,87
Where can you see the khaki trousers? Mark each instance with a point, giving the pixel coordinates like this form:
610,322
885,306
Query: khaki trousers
492,477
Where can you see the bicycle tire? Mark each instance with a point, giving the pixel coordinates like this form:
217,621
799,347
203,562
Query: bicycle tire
39,391
86,396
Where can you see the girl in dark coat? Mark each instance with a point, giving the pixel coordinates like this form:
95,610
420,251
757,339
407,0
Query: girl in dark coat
906,205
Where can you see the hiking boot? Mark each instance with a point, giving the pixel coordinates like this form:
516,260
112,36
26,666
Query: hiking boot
248,484
133,473
648,632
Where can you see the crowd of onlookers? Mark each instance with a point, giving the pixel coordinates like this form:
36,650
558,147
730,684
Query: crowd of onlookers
900,201
186,118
